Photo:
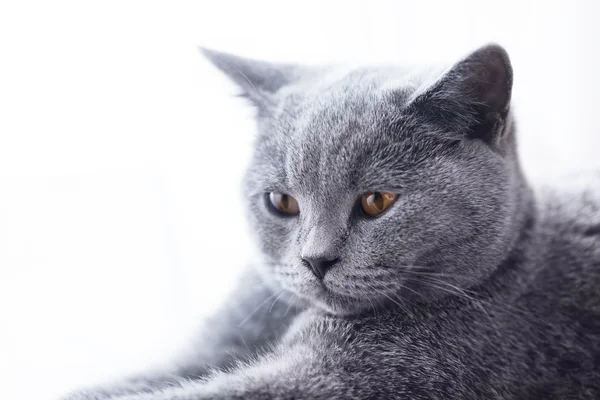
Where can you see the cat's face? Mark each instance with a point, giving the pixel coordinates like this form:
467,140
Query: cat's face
330,140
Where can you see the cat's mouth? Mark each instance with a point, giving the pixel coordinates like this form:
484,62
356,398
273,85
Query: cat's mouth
341,294
324,297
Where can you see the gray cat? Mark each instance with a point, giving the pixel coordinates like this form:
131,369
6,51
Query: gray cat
406,256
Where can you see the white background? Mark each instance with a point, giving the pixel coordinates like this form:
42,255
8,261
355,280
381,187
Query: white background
121,152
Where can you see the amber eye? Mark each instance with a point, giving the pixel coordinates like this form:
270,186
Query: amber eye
284,203
376,203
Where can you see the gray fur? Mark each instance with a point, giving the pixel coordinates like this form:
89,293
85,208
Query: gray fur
471,285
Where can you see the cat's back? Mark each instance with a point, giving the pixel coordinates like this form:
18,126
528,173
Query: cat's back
567,246
571,201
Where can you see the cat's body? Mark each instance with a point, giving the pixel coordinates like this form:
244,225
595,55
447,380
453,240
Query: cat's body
470,286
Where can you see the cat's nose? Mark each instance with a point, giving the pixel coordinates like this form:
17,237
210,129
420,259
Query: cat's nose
319,265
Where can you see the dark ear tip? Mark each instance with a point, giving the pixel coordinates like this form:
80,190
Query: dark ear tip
494,50
494,55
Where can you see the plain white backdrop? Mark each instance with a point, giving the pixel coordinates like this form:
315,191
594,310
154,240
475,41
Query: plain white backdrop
121,152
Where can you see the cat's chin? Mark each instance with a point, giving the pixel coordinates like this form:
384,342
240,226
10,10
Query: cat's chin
338,309
321,296
333,303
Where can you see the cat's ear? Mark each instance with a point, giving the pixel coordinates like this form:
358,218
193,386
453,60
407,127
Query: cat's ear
473,97
258,80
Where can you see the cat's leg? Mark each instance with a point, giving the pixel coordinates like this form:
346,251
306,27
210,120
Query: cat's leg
319,358
300,372
254,317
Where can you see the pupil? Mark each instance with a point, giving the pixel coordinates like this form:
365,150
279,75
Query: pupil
285,201
378,200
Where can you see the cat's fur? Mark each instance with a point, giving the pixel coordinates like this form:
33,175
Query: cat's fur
469,286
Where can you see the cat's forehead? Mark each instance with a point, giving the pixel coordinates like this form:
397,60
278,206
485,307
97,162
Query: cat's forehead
338,134
336,139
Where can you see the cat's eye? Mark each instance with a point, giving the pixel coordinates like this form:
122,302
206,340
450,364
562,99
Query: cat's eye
376,203
284,203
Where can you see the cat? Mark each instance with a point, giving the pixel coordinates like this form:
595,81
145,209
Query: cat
405,254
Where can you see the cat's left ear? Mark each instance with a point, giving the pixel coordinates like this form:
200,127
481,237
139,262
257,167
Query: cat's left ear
473,97
259,80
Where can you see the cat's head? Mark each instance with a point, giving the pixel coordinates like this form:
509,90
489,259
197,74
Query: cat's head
370,186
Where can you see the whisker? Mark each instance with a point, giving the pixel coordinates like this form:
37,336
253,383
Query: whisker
372,306
256,309
383,293
472,293
482,303
415,292
293,296
275,301
414,270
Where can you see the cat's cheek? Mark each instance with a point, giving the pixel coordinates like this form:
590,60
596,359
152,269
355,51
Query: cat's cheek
273,238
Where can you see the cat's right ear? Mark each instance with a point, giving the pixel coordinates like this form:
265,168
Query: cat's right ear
258,80
473,97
